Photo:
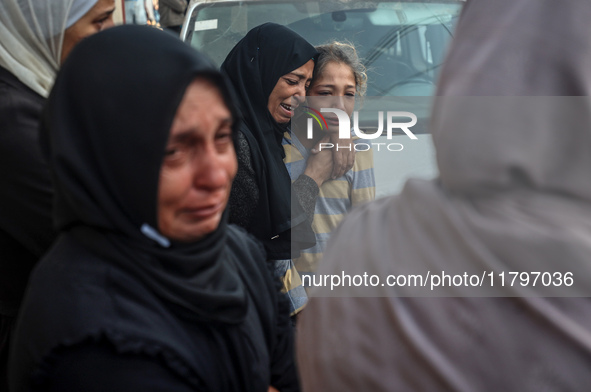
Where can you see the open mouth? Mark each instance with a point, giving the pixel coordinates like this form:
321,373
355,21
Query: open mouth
289,108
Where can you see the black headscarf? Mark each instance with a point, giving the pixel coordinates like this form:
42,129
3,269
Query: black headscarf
104,132
254,66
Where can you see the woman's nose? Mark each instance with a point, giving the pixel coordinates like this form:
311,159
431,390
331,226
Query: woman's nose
209,171
300,93
299,99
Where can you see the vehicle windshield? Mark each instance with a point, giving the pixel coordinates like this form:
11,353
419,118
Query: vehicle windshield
402,44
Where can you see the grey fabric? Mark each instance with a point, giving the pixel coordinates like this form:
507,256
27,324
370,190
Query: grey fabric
172,12
78,9
32,35
306,190
513,198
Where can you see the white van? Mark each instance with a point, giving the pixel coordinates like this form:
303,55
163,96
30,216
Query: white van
402,43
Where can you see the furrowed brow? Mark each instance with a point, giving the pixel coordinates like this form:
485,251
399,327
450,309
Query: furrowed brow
298,75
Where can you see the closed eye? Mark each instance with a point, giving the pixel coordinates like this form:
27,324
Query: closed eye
170,152
224,136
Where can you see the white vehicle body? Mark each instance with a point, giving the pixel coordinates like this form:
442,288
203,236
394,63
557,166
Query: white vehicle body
402,43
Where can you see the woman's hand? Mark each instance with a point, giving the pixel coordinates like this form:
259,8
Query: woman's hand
343,157
319,165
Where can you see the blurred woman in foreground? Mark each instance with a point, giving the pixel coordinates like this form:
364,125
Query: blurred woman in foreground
511,126
147,287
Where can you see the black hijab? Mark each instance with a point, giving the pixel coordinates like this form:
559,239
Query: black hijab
254,66
104,132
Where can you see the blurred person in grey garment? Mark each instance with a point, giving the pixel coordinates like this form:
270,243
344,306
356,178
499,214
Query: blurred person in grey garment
512,130
139,12
172,14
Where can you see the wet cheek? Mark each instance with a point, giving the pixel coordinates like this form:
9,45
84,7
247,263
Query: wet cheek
164,204
173,184
232,164
232,169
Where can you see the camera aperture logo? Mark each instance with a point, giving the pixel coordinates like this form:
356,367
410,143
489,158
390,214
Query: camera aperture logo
392,122
315,116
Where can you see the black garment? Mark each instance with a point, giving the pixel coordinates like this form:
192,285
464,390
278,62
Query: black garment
98,301
244,201
6,330
26,230
208,309
176,30
98,367
254,66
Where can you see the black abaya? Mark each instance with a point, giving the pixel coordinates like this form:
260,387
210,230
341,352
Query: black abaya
207,313
254,66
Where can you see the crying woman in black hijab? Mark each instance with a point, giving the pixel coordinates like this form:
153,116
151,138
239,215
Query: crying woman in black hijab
147,287
270,69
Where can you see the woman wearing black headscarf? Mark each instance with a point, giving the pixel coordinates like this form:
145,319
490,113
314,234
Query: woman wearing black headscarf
147,287
270,69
